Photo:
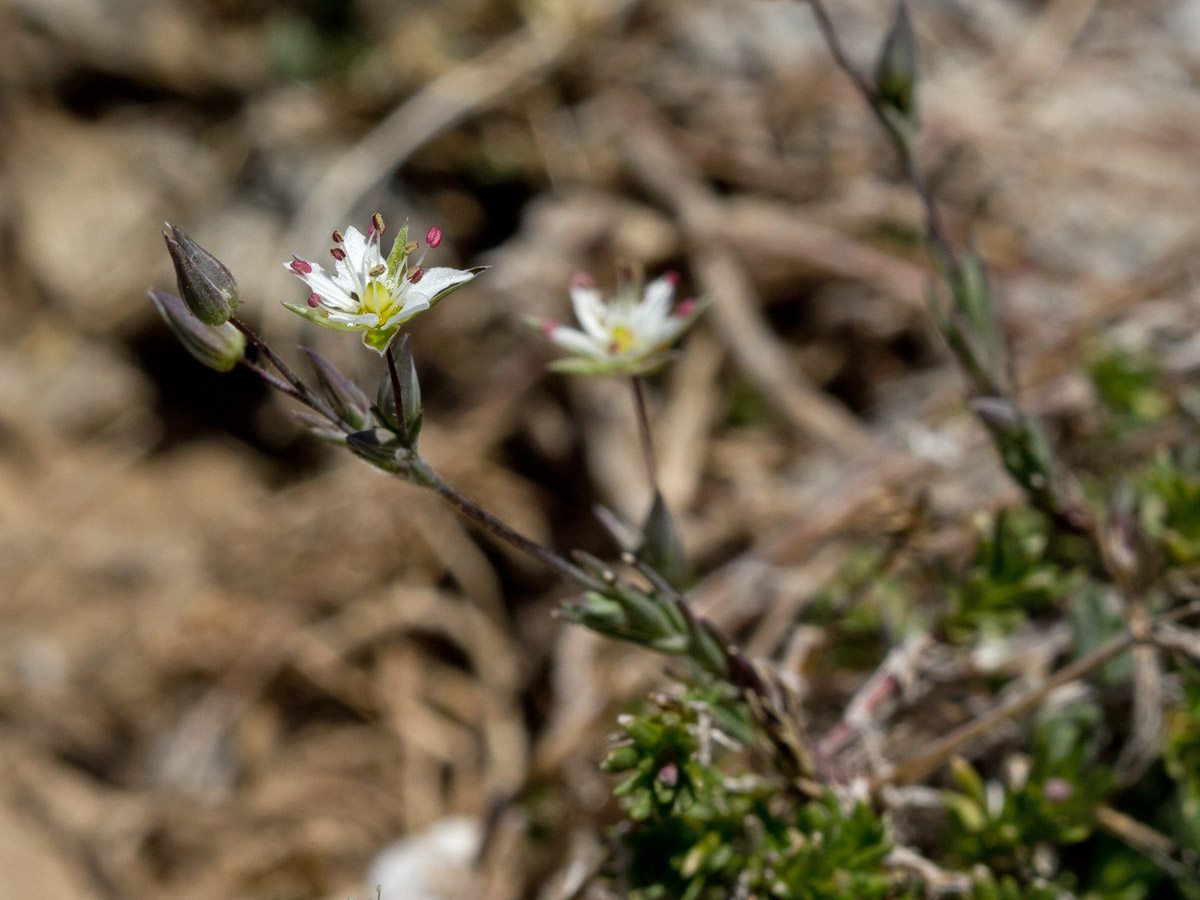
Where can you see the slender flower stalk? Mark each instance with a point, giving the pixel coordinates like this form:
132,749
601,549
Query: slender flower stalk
424,475
647,437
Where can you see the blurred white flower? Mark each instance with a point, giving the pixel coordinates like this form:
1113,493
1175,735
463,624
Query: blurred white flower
630,334
434,864
367,293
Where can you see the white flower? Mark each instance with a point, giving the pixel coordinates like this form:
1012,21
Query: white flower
367,293
630,334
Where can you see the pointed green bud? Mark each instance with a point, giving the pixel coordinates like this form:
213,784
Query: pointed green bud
344,397
205,285
896,71
219,347
410,387
410,393
385,402
661,548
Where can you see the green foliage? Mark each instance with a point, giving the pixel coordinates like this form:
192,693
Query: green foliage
1054,804
1012,577
1128,385
1182,758
696,833
1170,512
1097,615
988,887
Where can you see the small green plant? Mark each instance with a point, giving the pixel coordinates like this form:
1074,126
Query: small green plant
1170,511
698,831
1052,804
719,793
1128,384
1182,758
1012,577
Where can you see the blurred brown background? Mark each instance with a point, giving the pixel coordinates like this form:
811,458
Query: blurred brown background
236,664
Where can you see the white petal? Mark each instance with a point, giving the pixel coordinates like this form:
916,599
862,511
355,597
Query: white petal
333,292
355,244
437,281
413,304
577,342
589,310
656,301
323,286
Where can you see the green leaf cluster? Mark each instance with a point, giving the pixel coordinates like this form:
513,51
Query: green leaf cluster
696,833
1013,576
1054,804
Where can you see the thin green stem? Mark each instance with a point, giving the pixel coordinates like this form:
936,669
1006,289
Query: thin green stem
306,394
276,382
425,475
647,438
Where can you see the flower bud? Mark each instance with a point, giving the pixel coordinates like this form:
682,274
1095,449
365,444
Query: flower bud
661,548
205,285
896,71
344,397
410,394
219,347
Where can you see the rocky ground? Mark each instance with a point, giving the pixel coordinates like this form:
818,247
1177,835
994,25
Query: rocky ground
235,663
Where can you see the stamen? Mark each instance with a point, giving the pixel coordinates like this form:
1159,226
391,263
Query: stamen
411,247
672,277
314,300
685,308
434,236
338,253
337,237
583,280
549,326
300,267
377,223
378,270
415,274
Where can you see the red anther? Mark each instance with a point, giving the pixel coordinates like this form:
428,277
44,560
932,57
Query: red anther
614,348
433,237
338,253
583,280
377,223
300,267
549,326
416,274
672,278
337,237
314,300
685,308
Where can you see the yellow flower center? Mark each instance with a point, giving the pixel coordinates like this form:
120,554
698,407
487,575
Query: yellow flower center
622,340
379,300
